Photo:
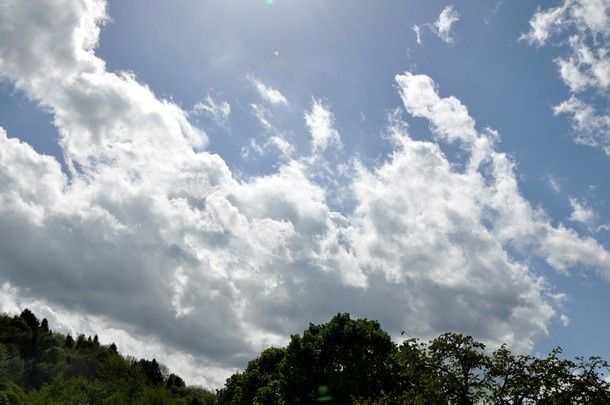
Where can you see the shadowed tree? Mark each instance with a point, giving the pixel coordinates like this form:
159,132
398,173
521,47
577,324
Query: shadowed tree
30,319
341,360
69,341
44,325
461,365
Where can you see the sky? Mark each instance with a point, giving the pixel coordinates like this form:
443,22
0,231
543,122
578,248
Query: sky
197,180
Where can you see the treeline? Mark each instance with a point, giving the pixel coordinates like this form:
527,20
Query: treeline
38,366
344,361
354,361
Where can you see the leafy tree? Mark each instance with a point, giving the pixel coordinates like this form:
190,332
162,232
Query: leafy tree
461,365
417,381
341,360
509,378
259,383
38,366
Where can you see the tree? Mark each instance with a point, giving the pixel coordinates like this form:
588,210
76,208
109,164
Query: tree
30,319
44,325
259,383
40,367
174,381
461,365
509,378
81,341
152,371
343,359
69,342
418,381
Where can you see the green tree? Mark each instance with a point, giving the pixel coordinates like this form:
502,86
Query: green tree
461,364
341,360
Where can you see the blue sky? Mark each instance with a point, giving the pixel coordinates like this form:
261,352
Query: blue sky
305,152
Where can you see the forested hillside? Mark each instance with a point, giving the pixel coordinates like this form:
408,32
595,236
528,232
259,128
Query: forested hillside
38,366
343,361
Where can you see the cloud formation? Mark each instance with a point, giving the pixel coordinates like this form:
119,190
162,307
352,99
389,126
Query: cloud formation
268,93
151,235
442,26
585,26
417,29
581,213
319,121
218,112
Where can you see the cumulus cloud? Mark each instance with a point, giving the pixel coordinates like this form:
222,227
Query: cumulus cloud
585,69
154,239
442,26
268,93
319,121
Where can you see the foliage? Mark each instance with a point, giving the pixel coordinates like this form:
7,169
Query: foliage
355,361
38,366
344,361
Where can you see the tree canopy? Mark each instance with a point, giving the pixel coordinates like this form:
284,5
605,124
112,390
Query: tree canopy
349,361
343,361
38,366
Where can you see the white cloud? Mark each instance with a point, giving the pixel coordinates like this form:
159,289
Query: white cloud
591,128
417,31
217,111
586,68
554,183
271,139
581,213
152,236
565,320
268,93
442,26
493,12
587,216
586,16
319,121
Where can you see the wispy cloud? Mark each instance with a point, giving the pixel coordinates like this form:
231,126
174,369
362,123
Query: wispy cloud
553,183
581,213
487,19
584,25
442,27
219,112
268,93
416,28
